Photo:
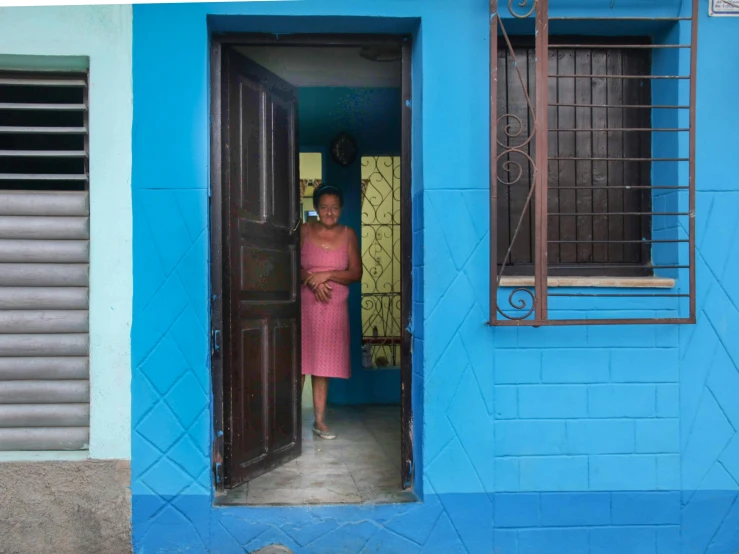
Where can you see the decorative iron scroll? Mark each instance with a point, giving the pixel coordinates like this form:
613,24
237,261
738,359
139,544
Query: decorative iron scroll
381,291
512,154
305,183
527,7
520,157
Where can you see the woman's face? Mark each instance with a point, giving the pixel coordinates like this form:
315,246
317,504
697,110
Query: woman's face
329,209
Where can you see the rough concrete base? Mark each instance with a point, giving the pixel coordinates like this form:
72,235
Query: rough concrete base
75,507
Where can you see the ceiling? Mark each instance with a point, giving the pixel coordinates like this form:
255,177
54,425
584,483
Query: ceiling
324,66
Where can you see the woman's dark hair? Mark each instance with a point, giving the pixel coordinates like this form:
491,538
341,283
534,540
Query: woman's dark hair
324,189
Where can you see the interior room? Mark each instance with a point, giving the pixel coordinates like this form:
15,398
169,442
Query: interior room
350,95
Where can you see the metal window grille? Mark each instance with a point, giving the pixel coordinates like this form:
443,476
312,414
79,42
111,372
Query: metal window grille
592,174
381,260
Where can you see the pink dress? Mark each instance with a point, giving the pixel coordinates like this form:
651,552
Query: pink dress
325,327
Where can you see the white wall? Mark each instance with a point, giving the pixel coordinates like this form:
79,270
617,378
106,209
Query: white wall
102,34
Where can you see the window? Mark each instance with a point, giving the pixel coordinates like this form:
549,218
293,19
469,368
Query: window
598,183
44,227
592,173
43,135
311,171
380,244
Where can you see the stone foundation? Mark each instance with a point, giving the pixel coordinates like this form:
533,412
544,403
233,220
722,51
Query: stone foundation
75,507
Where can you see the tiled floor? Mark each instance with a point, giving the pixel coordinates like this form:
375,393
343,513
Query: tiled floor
362,465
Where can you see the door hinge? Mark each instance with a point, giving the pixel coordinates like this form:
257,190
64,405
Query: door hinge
216,342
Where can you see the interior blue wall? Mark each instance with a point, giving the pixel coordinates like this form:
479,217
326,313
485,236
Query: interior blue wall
576,439
372,117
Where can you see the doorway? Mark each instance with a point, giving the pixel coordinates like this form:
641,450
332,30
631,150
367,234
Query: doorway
264,452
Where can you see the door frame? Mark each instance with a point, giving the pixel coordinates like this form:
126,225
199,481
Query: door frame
217,229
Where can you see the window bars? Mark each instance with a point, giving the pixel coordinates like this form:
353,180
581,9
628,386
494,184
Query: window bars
43,131
592,173
381,259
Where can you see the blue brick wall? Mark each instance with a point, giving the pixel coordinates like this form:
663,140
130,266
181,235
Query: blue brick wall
567,428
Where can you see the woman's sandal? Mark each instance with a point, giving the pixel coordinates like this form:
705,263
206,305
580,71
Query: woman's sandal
323,434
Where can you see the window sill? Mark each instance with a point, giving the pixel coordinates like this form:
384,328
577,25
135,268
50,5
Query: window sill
593,282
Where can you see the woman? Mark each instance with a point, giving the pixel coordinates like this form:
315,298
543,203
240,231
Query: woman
330,261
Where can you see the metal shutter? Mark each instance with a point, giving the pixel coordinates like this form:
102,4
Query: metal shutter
44,262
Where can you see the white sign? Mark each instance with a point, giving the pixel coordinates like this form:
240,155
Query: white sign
723,8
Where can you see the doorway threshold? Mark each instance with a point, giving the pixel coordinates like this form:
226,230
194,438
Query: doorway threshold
359,467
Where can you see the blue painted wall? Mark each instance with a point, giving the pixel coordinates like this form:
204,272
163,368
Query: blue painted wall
372,117
582,439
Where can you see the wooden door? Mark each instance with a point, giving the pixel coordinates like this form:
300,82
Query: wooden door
261,272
